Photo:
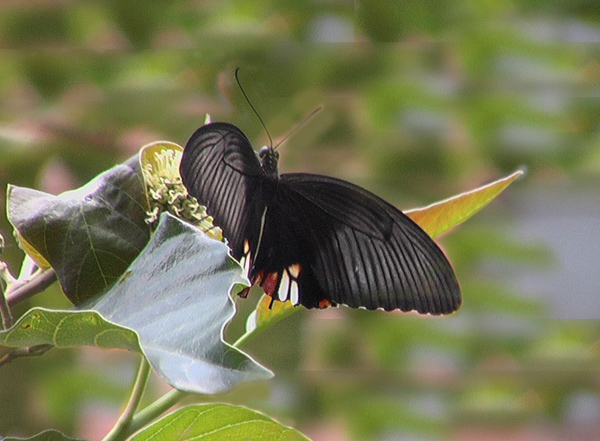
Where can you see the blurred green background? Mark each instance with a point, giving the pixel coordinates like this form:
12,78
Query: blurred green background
421,101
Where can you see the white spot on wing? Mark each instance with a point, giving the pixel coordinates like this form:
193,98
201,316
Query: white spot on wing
294,297
246,260
284,286
293,272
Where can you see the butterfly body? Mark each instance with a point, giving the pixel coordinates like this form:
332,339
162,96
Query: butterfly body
310,239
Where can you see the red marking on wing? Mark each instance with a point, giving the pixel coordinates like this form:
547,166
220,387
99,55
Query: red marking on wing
269,283
324,303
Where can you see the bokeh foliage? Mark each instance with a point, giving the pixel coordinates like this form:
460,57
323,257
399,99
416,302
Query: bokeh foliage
421,101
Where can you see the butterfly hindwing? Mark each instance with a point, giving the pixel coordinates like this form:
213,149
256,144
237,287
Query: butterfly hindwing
221,170
354,248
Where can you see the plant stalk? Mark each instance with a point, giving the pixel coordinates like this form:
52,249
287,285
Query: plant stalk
122,429
5,279
155,409
22,290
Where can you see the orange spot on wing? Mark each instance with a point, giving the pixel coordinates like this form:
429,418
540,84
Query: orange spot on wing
294,270
324,303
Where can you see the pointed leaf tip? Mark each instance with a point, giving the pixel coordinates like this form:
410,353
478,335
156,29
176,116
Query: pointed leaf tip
442,216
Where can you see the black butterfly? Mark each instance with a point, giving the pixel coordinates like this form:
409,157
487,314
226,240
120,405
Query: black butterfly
311,239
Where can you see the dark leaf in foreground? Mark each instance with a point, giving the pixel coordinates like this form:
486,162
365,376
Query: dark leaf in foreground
90,235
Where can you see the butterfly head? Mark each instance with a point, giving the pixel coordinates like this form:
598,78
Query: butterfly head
269,157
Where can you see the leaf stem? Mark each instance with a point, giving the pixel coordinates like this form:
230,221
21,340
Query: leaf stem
122,429
9,354
155,409
5,279
22,290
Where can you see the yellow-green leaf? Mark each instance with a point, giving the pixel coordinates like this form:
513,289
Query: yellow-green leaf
32,252
266,314
442,216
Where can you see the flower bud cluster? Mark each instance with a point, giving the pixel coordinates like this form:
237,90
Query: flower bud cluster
166,192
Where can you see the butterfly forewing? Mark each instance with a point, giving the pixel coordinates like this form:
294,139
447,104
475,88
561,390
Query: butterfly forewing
315,240
221,170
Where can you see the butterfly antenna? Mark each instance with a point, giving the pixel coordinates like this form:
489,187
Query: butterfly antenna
237,78
300,124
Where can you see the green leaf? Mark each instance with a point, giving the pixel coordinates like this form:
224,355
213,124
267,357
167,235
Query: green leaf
48,435
440,217
90,235
216,422
266,314
176,296
67,329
